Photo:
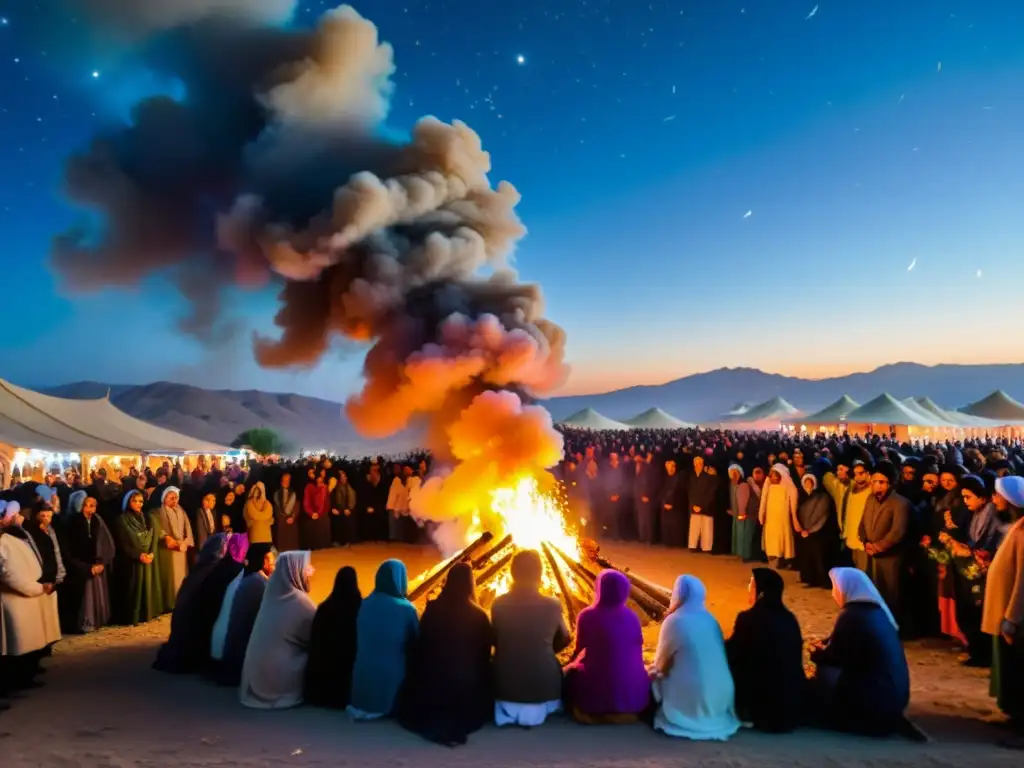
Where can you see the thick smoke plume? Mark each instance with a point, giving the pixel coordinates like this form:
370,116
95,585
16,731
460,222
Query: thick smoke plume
272,169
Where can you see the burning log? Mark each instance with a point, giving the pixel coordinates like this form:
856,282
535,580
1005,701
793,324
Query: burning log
486,557
428,583
567,597
649,602
495,569
654,591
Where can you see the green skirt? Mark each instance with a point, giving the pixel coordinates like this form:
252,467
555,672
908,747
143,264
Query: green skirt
1007,682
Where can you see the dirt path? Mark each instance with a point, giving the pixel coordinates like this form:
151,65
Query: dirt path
103,706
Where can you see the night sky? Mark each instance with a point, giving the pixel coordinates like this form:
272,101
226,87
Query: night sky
808,189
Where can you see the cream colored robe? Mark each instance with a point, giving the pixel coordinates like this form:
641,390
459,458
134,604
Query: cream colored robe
30,618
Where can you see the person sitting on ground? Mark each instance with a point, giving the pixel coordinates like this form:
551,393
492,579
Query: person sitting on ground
765,655
244,609
255,558
862,683
211,598
448,691
183,652
275,660
692,684
528,633
606,682
385,631
332,647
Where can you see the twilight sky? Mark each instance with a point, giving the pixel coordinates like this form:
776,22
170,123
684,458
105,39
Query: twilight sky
705,184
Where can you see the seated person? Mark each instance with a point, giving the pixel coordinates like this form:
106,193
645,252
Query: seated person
692,685
332,645
766,658
862,684
386,629
448,693
275,659
606,680
528,631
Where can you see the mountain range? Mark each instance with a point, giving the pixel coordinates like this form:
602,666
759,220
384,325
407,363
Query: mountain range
312,423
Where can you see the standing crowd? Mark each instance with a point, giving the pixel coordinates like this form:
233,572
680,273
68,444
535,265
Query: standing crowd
914,540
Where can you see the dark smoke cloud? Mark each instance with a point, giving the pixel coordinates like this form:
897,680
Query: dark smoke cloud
272,170
136,18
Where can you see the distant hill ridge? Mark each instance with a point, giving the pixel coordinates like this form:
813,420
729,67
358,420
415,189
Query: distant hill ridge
310,422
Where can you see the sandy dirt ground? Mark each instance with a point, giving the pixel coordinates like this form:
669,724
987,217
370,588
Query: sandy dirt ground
103,707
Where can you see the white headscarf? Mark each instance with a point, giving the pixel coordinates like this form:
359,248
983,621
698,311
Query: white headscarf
783,471
688,595
814,480
855,587
10,509
738,468
1011,488
169,489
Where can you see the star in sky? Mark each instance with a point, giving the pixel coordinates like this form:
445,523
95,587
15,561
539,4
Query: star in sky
520,59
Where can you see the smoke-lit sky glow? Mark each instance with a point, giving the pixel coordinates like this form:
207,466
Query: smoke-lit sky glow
639,134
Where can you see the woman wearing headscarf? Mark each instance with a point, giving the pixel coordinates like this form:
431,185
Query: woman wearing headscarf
44,539
385,632
218,634
529,632
344,523
184,651
606,681
332,645
972,547
89,550
244,609
950,514
259,515
765,655
692,684
862,684
818,533
743,508
137,535
448,692
225,573
286,513
778,516
175,541
226,505
275,659
1003,610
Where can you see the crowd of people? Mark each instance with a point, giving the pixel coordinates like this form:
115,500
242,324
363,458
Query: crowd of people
929,535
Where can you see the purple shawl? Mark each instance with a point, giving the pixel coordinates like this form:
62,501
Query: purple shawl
238,547
607,675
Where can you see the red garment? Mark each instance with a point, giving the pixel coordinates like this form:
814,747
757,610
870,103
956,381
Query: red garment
314,499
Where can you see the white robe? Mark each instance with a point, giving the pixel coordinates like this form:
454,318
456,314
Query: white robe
30,618
778,507
696,694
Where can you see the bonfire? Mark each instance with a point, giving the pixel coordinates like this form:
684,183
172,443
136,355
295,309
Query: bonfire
533,519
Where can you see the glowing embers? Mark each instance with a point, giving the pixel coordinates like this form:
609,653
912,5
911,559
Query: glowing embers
533,518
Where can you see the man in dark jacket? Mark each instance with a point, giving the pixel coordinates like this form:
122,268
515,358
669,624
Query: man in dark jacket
883,531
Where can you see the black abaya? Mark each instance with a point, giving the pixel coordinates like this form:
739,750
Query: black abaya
332,644
448,691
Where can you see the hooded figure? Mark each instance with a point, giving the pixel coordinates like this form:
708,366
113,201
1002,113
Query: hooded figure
862,683
778,514
448,693
275,659
89,552
214,591
138,596
766,659
818,533
175,541
693,686
332,645
607,680
185,649
259,515
385,631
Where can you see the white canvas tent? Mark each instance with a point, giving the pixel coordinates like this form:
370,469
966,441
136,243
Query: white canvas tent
829,417
998,407
655,418
961,420
886,413
767,415
34,422
588,418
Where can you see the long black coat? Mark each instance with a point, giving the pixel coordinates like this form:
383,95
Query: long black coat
873,686
332,645
447,693
766,659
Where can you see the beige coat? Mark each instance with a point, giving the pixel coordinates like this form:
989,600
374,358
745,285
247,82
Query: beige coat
30,618
1004,584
